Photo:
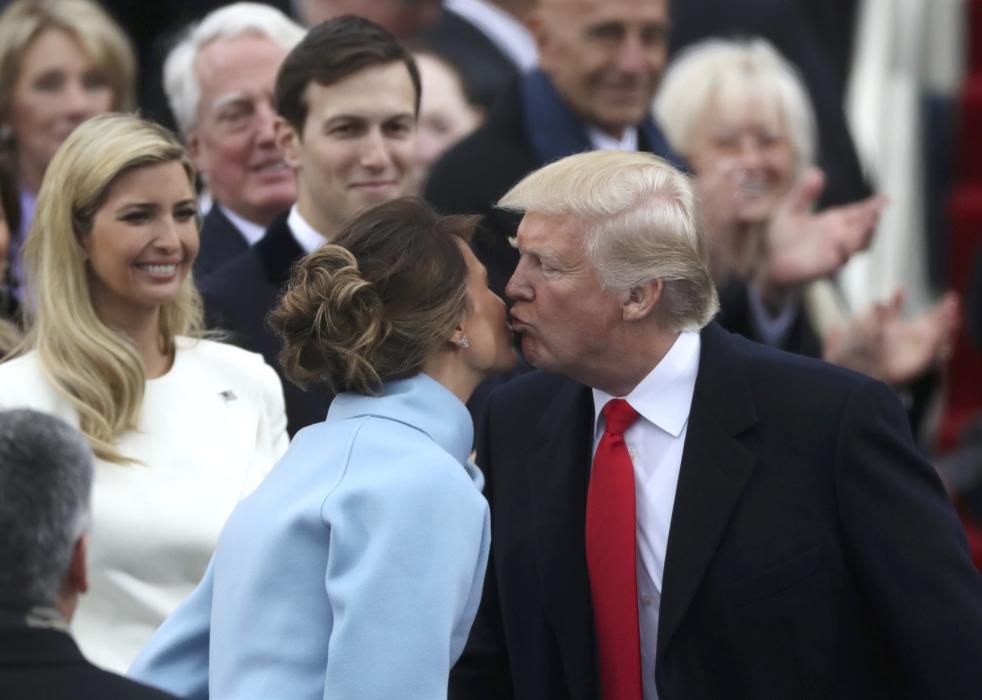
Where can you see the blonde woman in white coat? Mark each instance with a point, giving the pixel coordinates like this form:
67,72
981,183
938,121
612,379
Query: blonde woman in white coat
182,427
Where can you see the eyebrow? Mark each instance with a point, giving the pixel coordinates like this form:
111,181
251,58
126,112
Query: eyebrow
366,117
230,98
155,205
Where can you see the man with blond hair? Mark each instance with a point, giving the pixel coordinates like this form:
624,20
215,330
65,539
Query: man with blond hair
678,512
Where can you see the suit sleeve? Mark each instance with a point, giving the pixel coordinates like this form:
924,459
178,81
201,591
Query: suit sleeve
482,672
176,657
406,558
907,548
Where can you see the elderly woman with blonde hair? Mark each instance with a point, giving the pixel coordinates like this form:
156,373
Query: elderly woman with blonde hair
737,111
182,427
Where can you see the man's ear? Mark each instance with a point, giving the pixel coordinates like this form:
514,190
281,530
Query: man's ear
288,141
537,23
78,573
193,144
641,300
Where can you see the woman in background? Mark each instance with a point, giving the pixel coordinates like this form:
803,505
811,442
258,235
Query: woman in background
182,428
736,110
61,62
355,569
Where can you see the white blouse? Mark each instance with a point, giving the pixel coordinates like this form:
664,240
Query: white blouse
210,430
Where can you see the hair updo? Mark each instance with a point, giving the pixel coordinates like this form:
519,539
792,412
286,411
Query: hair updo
378,301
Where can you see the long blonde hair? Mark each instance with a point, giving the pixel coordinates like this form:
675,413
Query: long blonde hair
93,365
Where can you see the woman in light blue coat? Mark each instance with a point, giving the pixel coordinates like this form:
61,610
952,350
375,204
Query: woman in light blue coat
355,569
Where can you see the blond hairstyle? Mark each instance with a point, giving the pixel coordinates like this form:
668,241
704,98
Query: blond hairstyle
638,217
93,365
100,37
720,73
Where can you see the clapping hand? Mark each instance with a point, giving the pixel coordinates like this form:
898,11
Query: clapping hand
802,246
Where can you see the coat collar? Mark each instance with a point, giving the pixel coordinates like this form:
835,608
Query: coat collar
278,250
420,402
21,645
565,436
715,468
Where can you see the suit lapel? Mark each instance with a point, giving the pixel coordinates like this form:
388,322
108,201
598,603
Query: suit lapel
278,250
715,469
563,462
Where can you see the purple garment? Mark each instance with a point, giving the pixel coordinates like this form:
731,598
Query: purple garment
28,200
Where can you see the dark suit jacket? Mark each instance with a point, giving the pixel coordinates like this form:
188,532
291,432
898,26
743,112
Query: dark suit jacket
736,316
220,240
240,295
485,69
45,664
812,553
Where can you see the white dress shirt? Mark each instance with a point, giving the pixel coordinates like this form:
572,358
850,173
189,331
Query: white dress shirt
250,230
306,236
602,141
655,441
507,33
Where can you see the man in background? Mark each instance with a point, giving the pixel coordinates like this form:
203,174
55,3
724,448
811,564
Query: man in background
45,484
347,98
219,80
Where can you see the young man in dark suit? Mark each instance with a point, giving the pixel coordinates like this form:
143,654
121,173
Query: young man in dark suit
346,99
678,512
45,482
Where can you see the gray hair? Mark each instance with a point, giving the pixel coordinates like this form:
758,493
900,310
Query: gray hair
180,77
715,74
639,220
45,484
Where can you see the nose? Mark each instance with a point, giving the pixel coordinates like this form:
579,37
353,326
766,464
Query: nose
79,102
265,119
632,57
167,239
375,152
751,152
518,288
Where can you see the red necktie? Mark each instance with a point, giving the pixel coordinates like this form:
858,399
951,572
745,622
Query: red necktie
611,557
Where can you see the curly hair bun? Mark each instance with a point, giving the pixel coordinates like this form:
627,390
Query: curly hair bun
332,321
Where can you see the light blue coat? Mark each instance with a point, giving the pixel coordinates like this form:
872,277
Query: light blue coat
353,571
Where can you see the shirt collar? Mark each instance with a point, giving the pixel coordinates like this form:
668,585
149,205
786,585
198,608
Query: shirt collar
603,141
664,396
307,237
507,33
419,401
250,230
